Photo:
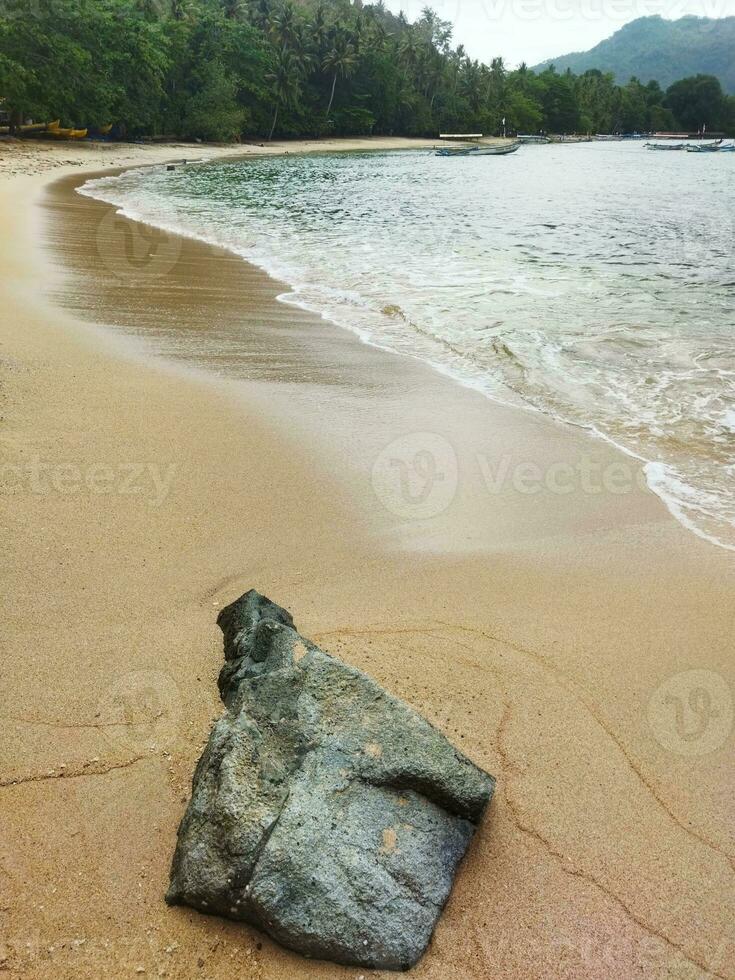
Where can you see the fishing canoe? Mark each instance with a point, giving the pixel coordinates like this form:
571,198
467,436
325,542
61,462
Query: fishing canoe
456,151
497,151
479,150
706,148
32,128
664,146
68,134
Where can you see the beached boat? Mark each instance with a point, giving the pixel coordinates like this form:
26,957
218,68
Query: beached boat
105,130
527,138
68,134
31,128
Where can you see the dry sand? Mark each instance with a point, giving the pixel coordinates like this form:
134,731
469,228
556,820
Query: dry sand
547,621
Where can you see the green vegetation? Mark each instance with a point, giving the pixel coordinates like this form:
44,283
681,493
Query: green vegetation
651,47
224,69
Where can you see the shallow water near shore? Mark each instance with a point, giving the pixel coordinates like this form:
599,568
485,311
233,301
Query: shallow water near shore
594,283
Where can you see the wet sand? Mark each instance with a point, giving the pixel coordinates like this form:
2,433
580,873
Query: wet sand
171,436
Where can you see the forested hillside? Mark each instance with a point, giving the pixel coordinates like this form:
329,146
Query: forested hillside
666,50
229,69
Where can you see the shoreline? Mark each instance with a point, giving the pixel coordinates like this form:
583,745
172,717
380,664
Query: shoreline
535,629
650,471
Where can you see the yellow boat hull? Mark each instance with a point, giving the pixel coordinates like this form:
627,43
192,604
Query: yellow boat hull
68,134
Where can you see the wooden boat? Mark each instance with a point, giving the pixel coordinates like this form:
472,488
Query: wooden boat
456,151
704,148
32,128
559,138
462,149
105,130
68,134
665,146
527,138
497,151
476,148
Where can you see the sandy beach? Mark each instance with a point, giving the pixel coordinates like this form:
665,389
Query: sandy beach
173,435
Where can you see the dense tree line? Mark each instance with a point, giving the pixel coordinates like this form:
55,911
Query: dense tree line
222,69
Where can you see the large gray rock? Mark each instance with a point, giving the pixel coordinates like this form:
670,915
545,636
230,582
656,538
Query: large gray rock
324,811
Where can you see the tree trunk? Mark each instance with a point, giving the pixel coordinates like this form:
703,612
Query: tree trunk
275,117
331,97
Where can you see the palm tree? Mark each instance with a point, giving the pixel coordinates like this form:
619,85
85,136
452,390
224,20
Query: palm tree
283,26
408,49
179,9
233,9
260,14
318,29
286,81
376,33
150,9
340,60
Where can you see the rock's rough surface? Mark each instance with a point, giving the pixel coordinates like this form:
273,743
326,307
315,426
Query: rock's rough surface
324,811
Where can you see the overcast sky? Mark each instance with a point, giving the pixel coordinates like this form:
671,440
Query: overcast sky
533,30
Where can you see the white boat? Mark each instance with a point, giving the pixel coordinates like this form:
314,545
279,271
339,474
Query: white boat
528,138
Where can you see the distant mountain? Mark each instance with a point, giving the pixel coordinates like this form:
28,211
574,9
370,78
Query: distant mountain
664,50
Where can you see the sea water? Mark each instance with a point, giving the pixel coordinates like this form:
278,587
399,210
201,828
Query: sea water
592,282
